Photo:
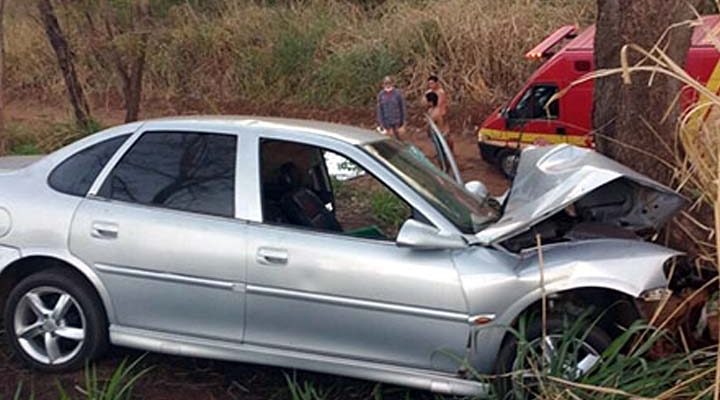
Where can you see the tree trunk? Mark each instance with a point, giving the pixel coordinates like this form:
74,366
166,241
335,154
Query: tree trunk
631,116
65,61
133,95
636,124
130,67
3,137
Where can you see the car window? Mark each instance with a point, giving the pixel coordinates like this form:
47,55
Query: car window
76,174
318,189
192,172
437,188
532,104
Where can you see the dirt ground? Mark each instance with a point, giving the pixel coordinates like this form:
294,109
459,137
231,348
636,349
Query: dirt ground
180,378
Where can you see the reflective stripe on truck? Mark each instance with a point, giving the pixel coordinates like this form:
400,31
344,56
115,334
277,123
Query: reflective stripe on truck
500,138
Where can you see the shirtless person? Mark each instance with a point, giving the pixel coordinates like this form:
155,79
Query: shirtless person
436,102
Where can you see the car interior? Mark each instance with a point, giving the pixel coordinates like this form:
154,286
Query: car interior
299,189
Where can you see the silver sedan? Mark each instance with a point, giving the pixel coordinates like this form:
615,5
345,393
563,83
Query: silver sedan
316,246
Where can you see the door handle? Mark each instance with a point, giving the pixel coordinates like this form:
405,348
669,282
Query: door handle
272,256
104,230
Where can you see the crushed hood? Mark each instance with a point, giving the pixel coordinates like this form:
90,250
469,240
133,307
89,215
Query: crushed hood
552,178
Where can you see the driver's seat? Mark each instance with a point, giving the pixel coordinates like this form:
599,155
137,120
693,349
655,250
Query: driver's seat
301,206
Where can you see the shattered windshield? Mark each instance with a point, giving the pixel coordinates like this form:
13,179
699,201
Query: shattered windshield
437,188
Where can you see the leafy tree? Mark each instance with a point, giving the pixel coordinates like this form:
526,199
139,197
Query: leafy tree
119,32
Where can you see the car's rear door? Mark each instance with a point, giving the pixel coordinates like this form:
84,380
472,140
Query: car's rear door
160,229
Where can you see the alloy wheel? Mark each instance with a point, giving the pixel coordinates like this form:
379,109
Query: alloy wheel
50,325
552,355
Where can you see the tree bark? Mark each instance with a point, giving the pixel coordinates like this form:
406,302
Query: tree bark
65,59
3,137
631,116
133,92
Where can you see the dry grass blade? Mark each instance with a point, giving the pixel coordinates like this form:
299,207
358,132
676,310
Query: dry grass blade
717,243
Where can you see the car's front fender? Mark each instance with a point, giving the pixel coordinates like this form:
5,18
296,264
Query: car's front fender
505,286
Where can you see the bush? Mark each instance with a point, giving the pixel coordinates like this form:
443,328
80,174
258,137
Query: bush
349,77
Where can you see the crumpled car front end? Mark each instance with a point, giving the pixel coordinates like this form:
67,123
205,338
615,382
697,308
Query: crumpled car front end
580,223
579,194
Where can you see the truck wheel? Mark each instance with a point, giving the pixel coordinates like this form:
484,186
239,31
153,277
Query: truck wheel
567,357
506,161
55,322
488,153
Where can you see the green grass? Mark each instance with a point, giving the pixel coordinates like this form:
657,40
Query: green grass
41,138
389,209
25,149
119,386
626,367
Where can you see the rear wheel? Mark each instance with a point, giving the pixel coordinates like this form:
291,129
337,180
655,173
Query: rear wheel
567,351
54,321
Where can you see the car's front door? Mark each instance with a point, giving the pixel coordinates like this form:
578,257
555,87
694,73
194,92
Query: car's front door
161,232
328,278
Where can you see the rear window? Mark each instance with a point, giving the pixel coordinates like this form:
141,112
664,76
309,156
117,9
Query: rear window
76,174
193,172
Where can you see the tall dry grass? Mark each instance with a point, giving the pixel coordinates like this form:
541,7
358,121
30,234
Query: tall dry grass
314,52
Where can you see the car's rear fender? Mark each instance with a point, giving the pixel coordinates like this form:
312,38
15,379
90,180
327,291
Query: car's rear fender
16,264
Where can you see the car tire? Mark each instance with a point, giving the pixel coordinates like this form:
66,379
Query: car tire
506,161
509,387
55,321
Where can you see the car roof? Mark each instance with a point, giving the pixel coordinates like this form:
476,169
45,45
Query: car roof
293,127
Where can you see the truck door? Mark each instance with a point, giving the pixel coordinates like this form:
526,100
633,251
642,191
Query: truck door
536,120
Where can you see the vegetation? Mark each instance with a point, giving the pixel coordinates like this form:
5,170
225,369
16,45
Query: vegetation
627,369
119,386
313,52
321,53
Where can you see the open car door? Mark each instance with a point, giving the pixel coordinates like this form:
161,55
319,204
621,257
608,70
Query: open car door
445,156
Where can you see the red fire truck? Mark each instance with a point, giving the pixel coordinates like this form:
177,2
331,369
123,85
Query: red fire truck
568,55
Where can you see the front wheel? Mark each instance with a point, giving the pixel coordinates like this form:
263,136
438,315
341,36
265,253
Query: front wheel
54,321
507,161
568,351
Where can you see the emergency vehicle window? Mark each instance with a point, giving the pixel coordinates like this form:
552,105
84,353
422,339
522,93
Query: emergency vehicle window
532,104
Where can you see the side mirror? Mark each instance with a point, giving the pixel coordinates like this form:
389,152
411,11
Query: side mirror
418,235
477,189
